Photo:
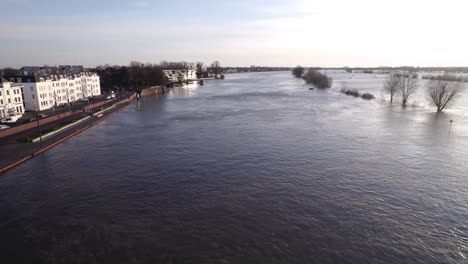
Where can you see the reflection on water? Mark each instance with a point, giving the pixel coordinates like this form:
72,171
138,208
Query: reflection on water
185,89
252,169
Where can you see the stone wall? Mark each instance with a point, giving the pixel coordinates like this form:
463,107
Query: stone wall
43,121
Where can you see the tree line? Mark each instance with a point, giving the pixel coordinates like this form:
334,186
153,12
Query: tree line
441,92
140,75
136,75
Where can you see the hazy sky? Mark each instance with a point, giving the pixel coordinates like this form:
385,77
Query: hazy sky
237,33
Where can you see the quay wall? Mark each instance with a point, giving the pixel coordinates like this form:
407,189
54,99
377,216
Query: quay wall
43,121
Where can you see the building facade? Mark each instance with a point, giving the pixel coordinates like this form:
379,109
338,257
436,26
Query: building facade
183,75
47,87
11,99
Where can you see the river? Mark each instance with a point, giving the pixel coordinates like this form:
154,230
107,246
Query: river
252,169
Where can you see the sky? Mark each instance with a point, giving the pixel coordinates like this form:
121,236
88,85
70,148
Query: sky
326,33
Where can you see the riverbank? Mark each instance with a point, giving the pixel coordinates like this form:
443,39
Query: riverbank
156,90
13,152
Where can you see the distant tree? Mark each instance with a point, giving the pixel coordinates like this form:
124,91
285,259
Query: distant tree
216,67
442,92
172,65
407,87
298,71
137,74
7,72
445,77
391,85
318,79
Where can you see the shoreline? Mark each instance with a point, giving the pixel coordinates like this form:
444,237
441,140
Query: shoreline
114,109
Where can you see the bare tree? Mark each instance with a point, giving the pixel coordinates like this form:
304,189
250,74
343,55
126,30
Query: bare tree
216,67
407,87
442,93
298,71
391,85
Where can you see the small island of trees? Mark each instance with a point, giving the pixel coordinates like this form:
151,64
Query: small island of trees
314,77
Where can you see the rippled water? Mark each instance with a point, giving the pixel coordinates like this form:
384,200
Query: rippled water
253,169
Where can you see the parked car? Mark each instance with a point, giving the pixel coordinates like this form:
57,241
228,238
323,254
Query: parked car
11,119
42,115
3,127
84,99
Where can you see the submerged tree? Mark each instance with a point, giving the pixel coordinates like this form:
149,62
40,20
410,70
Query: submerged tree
407,87
318,79
391,85
298,71
443,92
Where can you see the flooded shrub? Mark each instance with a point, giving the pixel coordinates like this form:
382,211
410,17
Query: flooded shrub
354,93
367,96
298,71
318,79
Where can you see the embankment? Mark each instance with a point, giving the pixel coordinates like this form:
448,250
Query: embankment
155,90
28,151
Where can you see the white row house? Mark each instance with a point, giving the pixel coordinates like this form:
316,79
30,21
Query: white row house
42,92
11,99
91,85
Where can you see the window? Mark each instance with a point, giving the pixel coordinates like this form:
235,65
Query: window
33,96
19,80
9,100
1,101
0,93
7,92
12,79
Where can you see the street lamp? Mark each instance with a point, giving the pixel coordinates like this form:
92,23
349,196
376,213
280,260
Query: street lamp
38,123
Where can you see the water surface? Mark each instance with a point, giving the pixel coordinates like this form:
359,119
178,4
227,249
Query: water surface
252,169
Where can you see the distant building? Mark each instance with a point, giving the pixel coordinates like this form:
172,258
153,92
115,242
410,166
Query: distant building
46,87
11,99
183,75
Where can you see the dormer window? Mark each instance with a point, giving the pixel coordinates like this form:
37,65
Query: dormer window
12,79
19,80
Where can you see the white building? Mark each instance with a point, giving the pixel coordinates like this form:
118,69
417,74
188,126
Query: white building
91,85
11,99
175,76
45,90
